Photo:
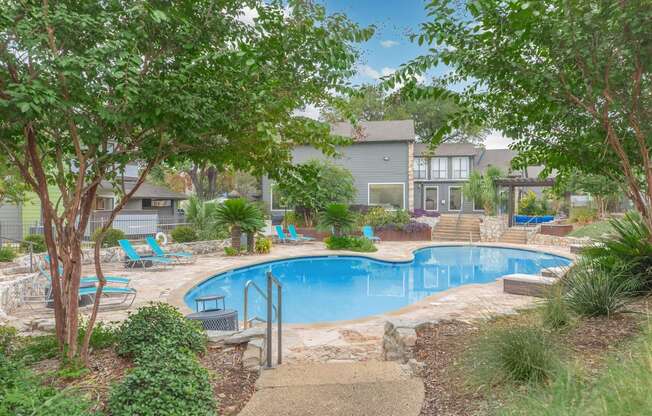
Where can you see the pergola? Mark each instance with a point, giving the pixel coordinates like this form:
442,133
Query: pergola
512,183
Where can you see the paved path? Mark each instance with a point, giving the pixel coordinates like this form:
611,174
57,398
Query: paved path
371,388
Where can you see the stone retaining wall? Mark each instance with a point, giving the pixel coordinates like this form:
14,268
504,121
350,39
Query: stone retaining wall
492,228
11,292
558,241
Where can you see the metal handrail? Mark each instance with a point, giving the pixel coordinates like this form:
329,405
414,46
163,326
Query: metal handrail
273,313
31,250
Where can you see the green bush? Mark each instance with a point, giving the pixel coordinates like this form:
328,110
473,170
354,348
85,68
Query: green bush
359,244
34,349
555,312
517,354
159,326
291,217
595,290
582,215
230,251
38,243
338,218
263,245
104,335
184,234
8,337
380,217
7,254
110,238
167,383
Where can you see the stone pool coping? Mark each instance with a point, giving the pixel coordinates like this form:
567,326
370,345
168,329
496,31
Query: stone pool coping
405,255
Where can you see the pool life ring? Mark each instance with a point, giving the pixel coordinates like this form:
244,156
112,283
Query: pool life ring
160,236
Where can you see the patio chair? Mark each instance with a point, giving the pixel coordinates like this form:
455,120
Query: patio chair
84,279
282,237
296,236
134,258
368,233
158,251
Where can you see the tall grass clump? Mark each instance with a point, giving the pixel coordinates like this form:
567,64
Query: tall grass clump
555,312
596,289
519,354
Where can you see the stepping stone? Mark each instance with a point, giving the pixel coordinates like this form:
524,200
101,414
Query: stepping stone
370,388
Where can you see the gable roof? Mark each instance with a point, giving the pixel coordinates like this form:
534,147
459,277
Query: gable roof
376,131
146,190
446,149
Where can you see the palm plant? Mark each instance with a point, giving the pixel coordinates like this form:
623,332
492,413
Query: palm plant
482,188
338,217
200,214
240,216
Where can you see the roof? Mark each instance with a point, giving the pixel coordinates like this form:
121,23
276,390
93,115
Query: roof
500,158
376,131
146,190
446,149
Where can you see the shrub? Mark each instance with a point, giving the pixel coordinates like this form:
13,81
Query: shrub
38,245
291,217
582,215
184,234
555,311
338,217
359,244
263,245
517,354
34,349
104,335
423,213
380,217
172,383
230,251
110,238
159,325
7,254
8,337
595,290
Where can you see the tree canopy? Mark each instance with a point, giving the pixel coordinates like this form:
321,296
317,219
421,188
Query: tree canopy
87,88
568,80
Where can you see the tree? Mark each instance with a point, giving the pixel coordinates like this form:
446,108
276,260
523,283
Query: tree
482,188
12,188
603,189
372,103
338,217
239,216
568,80
88,87
315,184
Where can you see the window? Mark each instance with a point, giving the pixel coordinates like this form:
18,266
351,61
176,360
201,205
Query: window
420,168
388,195
460,167
438,168
103,204
431,198
455,198
147,203
161,203
277,199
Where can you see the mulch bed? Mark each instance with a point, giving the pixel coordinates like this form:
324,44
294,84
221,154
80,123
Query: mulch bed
232,383
442,348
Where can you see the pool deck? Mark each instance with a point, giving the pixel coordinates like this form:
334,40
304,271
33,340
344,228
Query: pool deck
341,341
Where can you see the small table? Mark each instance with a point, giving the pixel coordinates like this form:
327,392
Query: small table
217,319
209,298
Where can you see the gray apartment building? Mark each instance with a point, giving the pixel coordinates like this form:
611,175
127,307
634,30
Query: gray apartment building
392,170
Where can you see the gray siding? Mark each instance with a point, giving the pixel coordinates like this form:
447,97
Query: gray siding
11,221
367,164
443,192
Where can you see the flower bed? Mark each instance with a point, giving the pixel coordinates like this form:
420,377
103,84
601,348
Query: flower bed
413,231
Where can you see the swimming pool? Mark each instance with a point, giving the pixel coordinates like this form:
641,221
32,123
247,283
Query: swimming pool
332,288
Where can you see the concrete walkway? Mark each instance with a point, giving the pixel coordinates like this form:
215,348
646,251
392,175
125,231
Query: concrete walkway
370,388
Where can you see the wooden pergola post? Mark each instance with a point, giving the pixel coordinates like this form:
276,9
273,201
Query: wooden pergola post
512,183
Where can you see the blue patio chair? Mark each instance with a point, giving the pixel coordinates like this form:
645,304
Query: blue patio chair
84,279
156,249
282,237
296,236
368,233
135,258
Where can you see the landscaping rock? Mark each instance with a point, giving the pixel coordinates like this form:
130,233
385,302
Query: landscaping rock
245,336
417,368
218,337
400,338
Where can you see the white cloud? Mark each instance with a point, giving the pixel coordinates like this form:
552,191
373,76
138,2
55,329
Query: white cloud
388,43
496,140
248,15
375,74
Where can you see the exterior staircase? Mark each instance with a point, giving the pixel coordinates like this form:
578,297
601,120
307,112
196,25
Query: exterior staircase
457,228
514,236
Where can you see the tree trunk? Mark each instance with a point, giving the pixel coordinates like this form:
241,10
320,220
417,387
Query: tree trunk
250,242
236,232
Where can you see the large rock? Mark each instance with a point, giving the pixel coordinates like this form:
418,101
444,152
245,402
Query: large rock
399,339
245,336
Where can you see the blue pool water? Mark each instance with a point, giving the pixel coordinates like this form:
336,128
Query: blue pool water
317,289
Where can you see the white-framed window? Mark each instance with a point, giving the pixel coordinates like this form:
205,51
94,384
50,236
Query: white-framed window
460,167
388,195
439,168
277,201
431,198
103,203
420,168
455,198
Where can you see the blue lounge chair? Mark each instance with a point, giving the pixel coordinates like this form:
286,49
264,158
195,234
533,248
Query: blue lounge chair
368,232
123,295
156,249
282,237
135,258
84,279
296,236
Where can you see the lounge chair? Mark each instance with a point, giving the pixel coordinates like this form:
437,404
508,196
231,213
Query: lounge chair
158,251
134,258
282,237
84,279
368,233
296,236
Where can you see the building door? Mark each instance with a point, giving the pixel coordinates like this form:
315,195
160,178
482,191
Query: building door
455,198
431,198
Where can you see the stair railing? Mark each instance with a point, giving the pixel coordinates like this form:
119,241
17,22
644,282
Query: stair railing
273,312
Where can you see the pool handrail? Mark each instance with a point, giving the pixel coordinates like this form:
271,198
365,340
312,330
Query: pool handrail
273,313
